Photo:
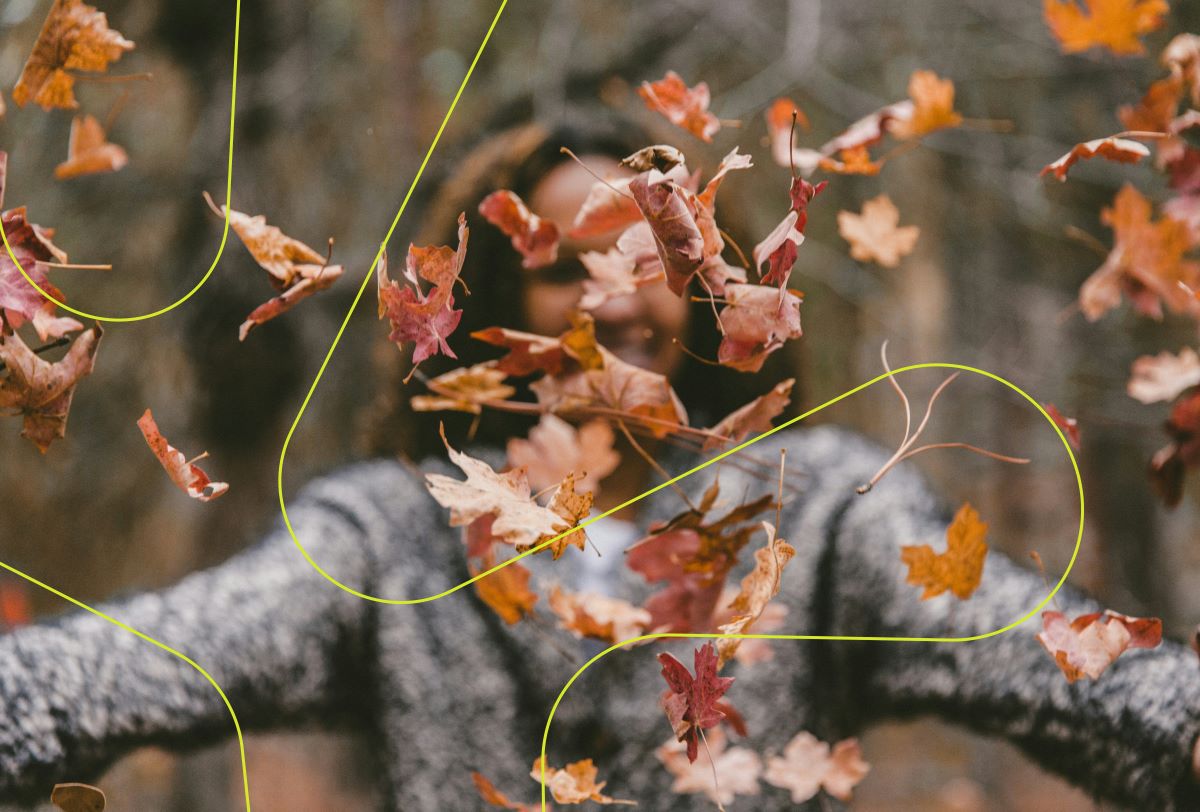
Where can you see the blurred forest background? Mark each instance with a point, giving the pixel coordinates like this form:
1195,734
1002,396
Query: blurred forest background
337,102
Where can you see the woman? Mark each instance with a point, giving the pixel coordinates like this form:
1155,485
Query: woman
444,688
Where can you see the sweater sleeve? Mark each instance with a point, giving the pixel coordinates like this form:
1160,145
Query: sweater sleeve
283,644
1126,737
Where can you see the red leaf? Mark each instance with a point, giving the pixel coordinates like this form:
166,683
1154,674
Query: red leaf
683,106
677,238
190,479
536,239
690,702
757,321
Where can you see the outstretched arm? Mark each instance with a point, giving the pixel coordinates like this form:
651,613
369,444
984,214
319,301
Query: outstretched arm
283,643
1127,737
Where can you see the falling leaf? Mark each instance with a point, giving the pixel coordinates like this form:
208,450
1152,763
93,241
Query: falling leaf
528,353
807,766
90,151
1089,644
779,129
1069,425
1112,24
74,37
758,587
518,518
41,391
1146,262
1157,109
184,473
852,161
1164,376
692,703
294,269
753,418
427,319
608,206
875,235
611,275
31,245
677,236
662,157
489,793
757,320
717,273
597,616
15,609
506,591
960,567
1121,150
683,106
534,238
573,507
555,448
77,798
574,784
780,246
932,107
465,390
737,768
1169,463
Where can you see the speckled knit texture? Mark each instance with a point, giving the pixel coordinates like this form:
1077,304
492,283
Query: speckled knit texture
445,688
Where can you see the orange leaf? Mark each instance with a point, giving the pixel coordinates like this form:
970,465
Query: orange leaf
876,235
575,783
465,390
75,36
534,238
753,418
683,106
758,588
1112,24
932,107
960,567
598,616
89,151
1114,149
506,591
495,797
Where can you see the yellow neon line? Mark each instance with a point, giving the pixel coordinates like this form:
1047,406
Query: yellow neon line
871,638
237,30
342,329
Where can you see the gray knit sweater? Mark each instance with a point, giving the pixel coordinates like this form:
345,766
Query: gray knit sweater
446,688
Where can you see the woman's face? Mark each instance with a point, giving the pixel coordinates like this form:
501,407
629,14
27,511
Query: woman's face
637,327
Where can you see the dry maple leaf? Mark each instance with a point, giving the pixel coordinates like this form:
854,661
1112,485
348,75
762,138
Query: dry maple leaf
677,236
518,519
89,151
807,766
692,703
1170,463
757,320
1156,109
1146,263
1164,376
77,798
758,587
1112,24
779,248
555,448
737,768
1069,425
587,614
573,507
611,275
574,784
465,390
957,570
528,352
1113,148
534,238
932,107
876,235
683,106
426,319
294,269
489,793
851,161
75,36
31,245
662,157
183,472
1087,645
41,391
506,591
609,205
753,418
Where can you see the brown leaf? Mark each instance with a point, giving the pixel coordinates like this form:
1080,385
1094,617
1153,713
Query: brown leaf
758,587
957,570
875,235
77,798
90,151
597,616
757,320
506,591
489,793
1121,150
1087,645
465,390
753,418
41,391
75,36
575,783
190,479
